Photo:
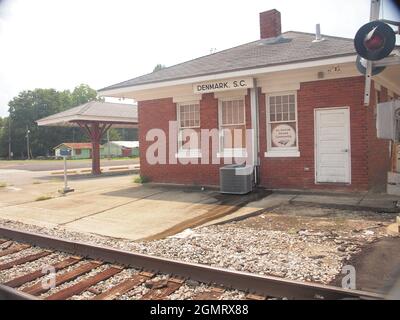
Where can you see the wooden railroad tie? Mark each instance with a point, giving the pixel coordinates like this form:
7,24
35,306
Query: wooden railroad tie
19,281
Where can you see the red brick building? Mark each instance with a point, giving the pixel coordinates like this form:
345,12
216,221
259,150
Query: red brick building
300,93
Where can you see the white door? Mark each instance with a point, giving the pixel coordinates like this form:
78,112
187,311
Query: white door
332,145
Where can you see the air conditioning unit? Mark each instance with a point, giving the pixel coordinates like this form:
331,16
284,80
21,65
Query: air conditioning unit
236,179
388,120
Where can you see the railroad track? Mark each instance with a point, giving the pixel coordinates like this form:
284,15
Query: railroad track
88,271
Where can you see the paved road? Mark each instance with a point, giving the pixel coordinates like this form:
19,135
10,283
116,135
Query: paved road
37,165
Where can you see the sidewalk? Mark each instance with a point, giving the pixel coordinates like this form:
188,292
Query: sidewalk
365,201
357,202
103,169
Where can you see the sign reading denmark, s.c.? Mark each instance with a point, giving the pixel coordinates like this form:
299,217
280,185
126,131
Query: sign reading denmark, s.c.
223,85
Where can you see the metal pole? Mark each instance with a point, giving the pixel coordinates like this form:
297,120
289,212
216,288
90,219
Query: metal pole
375,6
65,174
65,153
27,142
367,89
374,15
9,138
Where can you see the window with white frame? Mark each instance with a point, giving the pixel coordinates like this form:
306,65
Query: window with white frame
188,115
282,136
232,125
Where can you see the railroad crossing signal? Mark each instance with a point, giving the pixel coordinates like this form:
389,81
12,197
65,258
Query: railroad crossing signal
374,42
361,64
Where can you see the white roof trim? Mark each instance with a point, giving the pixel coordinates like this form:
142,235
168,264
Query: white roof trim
382,81
248,72
188,98
55,121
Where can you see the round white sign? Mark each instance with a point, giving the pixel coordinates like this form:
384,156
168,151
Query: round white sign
283,135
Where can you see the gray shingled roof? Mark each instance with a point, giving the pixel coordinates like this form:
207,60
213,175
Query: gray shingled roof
92,111
290,47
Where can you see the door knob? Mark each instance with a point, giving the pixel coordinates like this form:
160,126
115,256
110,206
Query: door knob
345,150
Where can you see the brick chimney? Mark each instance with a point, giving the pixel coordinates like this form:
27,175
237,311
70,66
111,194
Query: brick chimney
270,24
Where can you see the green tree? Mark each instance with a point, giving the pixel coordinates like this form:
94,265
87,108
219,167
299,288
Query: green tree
82,94
114,135
3,133
158,67
32,105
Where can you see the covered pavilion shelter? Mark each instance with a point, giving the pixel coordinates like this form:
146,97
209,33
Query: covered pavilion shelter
95,118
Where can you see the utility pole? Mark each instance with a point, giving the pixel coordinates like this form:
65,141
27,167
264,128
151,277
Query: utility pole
27,142
9,138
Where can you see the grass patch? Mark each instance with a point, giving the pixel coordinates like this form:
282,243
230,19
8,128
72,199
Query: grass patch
292,231
3,184
43,198
141,179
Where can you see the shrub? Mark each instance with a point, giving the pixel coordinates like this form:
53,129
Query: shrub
43,198
141,179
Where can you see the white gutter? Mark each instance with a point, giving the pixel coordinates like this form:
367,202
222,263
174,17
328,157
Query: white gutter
232,74
255,129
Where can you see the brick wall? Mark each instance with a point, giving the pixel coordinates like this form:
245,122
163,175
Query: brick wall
369,166
156,114
290,172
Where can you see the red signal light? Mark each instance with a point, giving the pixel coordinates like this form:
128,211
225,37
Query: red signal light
374,42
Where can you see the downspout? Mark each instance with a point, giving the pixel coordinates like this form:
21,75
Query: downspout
254,108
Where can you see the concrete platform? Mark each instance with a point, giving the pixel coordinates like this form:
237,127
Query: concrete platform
117,207
357,202
363,201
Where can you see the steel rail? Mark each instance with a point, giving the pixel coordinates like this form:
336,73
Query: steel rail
7,293
268,286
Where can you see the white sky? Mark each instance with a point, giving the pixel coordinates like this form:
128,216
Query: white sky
60,44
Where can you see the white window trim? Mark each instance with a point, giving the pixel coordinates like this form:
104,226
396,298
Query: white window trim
233,153
191,153
230,152
280,152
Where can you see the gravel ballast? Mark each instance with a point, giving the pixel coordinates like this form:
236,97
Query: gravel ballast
298,248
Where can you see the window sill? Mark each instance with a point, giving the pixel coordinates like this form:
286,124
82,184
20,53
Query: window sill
188,155
232,154
282,154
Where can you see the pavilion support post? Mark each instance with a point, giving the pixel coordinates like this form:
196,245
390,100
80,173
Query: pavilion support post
95,136
95,132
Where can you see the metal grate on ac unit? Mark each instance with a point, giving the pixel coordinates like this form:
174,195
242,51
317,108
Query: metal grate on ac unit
236,179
